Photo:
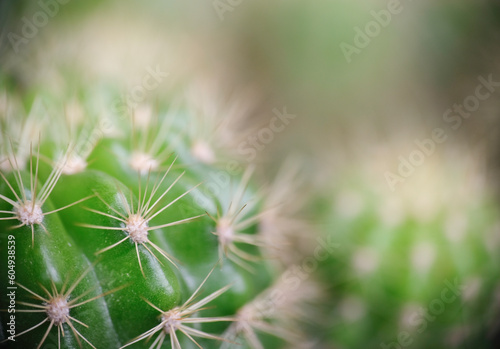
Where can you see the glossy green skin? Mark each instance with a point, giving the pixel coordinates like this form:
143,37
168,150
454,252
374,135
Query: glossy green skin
125,314
395,283
118,266
55,257
193,244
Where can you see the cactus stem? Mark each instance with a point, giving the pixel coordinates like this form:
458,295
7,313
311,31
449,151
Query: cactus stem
274,311
143,162
226,231
227,228
203,152
136,221
175,319
57,308
146,154
73,164
29,210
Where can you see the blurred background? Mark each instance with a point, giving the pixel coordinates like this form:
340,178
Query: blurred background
389,109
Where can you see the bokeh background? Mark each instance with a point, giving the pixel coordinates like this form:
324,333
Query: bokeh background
356,118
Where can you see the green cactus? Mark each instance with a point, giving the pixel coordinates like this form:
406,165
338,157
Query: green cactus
416,267
117,231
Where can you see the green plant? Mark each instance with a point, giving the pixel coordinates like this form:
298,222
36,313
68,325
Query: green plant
122,235
417,267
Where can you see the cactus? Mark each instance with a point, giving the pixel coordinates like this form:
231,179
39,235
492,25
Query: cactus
417,267
115,234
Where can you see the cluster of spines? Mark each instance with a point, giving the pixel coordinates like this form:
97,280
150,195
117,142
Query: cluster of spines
135,225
